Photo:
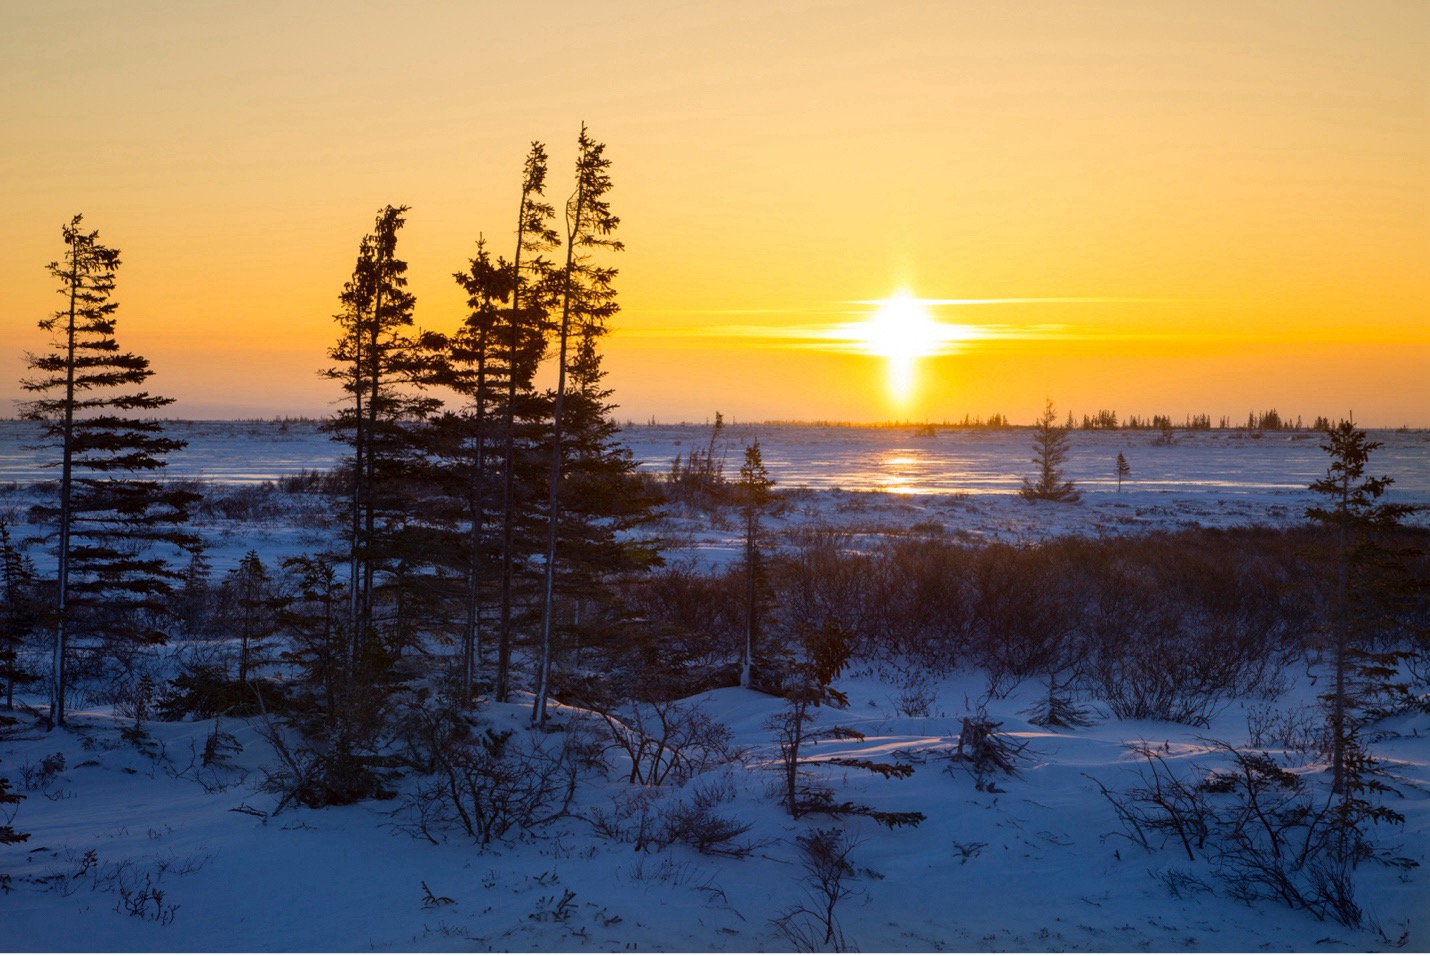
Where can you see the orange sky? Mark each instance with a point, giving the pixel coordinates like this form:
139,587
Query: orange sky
1239,190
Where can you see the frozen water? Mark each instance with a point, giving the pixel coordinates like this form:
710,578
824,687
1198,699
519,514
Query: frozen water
978,462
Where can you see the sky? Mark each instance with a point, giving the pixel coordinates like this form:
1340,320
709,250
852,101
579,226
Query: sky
1155,208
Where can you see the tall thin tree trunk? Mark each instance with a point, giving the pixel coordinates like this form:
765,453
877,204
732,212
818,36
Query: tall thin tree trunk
351,648
553,515
362,630
508,484
58,677
1338,704
553,504
471,631
751,529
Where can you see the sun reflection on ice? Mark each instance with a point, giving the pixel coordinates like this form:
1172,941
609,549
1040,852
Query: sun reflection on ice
899,475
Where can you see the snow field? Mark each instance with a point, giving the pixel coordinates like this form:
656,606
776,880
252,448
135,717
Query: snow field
1035,864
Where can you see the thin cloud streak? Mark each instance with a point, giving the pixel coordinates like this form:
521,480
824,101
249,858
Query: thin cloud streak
826,310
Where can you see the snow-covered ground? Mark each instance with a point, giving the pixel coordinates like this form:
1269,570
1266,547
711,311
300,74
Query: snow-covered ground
1036,862
135,845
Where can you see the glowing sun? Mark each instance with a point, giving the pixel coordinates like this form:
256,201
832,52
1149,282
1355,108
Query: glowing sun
902,331
901,328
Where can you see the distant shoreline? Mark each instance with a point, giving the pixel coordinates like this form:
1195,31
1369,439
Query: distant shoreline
947,425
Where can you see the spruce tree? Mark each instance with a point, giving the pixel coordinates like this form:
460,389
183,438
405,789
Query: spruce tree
475,369
524,342
114,532
249,593
1124,470
383,367
584,286
1050,452
8,798
754,496
19,613
1355,514
603,500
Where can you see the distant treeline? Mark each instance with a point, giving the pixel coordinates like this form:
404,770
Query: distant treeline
1105,419
1267,421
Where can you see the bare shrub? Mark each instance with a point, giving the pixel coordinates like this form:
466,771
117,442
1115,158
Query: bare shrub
208,766
664,740
915,694
486,783
699,613
1162,805
1301,731
1183,624
924,606
814,926
821,579
135,699
331,773
39,775
1022,612
1265,833
652,820
141,898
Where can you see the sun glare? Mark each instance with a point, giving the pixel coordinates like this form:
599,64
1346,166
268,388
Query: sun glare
903,329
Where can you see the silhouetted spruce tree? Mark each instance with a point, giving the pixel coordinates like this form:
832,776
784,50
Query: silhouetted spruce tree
524,344
20,613
312,614
1050,452
194,599
341,718
603,501
754,494
8,797
1357,517
583,285
383,367
249,595
1124,470
115,533
475,368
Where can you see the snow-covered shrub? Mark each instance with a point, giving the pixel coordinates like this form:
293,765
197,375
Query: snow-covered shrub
984,752
1260,826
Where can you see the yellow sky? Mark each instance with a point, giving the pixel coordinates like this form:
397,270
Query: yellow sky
1238,192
